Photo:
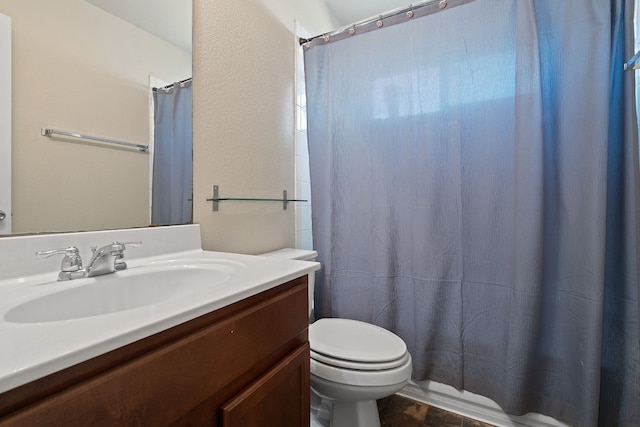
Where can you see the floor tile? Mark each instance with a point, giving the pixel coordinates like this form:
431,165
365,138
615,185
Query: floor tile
398,411
467,422
437,417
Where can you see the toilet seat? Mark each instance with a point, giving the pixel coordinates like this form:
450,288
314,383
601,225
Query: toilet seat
356,353
360,366
355,341
353,377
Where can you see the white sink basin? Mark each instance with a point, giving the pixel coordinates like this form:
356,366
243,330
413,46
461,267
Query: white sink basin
125,290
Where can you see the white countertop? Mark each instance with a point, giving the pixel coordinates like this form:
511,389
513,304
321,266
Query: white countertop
29,351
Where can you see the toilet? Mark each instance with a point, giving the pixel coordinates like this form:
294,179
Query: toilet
353,363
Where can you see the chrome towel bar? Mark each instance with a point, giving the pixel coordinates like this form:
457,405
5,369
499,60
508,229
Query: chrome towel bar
51,132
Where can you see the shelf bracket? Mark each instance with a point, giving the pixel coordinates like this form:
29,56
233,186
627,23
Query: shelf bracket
215,199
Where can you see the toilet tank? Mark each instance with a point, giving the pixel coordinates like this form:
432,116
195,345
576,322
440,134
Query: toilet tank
302,255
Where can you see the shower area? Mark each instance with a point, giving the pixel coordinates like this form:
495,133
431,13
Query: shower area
475,189
172,167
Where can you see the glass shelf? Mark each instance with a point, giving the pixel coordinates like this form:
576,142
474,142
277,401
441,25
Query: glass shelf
216,199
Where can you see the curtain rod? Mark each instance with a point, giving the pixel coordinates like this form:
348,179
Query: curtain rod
396,16
181,82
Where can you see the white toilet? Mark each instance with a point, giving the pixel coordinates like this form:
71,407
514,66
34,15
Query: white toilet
353,363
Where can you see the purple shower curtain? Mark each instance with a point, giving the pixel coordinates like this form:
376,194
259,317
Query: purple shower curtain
475,192
171,201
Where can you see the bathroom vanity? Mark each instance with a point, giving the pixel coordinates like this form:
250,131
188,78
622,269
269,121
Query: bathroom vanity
236,355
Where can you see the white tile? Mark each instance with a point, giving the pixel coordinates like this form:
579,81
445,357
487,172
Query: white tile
301,94
299,113
304,240
303,218
302,149
301,118
302,169
303,191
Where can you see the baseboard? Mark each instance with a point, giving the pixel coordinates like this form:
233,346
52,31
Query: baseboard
472,405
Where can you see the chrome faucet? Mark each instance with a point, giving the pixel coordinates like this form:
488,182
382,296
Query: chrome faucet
107,259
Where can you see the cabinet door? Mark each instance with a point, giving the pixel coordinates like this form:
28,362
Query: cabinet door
279,398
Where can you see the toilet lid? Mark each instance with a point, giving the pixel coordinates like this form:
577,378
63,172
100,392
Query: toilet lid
359,366
355,341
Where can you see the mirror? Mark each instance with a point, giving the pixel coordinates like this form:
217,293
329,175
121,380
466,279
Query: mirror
85,66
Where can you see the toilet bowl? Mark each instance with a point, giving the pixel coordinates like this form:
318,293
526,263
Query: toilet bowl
353,363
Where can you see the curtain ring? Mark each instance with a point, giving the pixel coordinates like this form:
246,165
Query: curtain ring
379,23
410,12
442,4
307,45
352,31
326,38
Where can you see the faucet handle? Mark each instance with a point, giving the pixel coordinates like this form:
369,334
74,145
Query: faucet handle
121,246
134,244
116,246
119,263
71,263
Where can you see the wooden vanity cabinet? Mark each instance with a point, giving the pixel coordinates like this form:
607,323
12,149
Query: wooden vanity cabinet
244,365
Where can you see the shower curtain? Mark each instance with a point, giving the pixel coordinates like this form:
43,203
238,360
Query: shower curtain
474,179
171,196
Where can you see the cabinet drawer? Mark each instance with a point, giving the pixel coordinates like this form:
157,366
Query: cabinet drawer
279,398
163,385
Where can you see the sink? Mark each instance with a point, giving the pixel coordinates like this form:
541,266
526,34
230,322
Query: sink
136,287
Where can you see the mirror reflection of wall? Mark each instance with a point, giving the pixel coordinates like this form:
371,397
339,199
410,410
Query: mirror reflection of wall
78,68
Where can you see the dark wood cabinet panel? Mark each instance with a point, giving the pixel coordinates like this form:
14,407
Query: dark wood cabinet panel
183,377
285,386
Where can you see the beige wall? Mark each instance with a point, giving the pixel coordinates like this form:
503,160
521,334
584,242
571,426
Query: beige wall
244,117
78,68
313,15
